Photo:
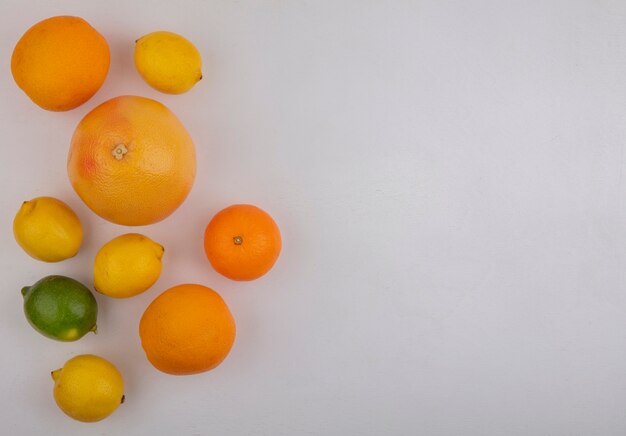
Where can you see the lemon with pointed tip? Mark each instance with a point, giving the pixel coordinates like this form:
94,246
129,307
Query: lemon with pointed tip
47,229
127,265
168,62
88,388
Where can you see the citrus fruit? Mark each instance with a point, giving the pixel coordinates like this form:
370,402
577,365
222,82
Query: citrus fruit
186,330
47,229
60,62
132,161
127,265
242,242
60,308
88,388
168,62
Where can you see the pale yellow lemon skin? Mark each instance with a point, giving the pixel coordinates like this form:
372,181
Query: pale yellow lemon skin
127,265
168,62
48,229
88,388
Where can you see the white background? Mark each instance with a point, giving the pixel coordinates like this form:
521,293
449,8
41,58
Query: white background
449,180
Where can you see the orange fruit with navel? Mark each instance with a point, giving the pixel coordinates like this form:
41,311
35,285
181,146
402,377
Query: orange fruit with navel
132,161
242,242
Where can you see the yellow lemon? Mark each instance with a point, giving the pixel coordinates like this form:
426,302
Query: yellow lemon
88,388
127,265
168,62
47,229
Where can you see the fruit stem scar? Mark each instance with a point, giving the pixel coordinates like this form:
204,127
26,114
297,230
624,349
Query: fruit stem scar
55,374
27,207
123,398
238,240
119,151
25,290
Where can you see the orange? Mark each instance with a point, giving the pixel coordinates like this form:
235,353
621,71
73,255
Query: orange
186,330
132,161
242,242
60,62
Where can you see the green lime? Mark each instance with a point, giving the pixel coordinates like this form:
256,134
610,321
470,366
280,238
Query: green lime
60,308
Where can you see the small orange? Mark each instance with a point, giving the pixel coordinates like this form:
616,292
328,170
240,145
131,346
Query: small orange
186,330
60,62
132,161
242,242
